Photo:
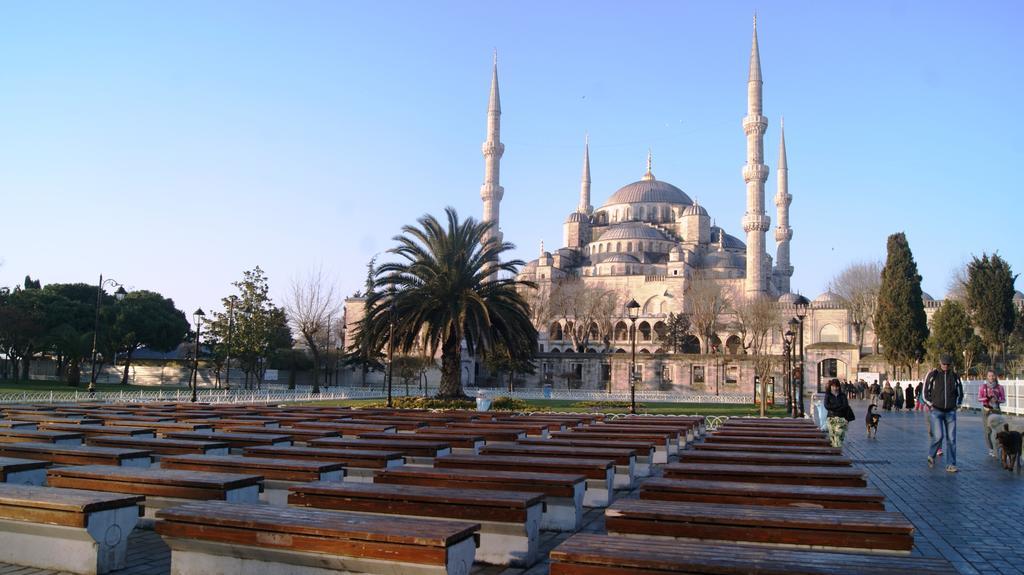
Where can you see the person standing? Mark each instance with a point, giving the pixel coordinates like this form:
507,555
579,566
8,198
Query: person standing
991,395
898,397
838,407
944,394
910,397
887,396
917,393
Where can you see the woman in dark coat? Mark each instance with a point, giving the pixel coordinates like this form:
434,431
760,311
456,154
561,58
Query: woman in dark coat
837,405
887,397
910,397
899,396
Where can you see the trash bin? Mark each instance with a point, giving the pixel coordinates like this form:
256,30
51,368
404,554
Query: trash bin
547,391
483,403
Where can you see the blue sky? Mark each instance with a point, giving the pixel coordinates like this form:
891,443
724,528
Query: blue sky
173,145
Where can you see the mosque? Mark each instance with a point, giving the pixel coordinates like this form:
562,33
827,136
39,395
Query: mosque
649,242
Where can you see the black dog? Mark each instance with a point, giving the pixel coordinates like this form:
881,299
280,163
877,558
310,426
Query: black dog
1010,444
871,421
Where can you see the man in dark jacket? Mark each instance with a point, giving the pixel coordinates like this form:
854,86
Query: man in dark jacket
944,393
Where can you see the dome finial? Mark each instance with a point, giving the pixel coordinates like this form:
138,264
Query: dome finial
542,248
649,175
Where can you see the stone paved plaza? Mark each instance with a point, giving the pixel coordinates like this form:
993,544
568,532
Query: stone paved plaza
973,518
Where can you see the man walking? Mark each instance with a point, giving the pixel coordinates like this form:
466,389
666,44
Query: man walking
944,393
991,395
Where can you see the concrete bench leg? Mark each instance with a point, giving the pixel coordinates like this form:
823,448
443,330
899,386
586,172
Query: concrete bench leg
28,477
600,493
100,548
516,544
564,513
660,454
625,475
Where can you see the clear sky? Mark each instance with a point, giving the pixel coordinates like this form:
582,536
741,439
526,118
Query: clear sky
172,145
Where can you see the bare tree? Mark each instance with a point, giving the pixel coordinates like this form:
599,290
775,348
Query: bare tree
705,302
758,316
582,307
957,286
857,285
311,306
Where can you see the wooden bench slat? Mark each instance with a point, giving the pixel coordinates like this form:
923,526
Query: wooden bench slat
269,468
741,493
754,458
551,484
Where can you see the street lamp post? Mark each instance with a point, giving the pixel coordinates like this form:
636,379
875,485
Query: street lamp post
788,347
231,329
197,317
633,312
391,346
119,296
802,304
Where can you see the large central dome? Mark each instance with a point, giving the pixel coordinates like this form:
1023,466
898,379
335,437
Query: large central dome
649,191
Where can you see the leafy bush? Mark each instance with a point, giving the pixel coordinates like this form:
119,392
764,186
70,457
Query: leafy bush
509,404
427,403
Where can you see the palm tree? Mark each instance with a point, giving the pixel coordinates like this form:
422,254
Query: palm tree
446,290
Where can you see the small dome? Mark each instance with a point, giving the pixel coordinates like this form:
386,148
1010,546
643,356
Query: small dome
676,250
722,260
633,231
577,217
926,297
730,242
621,259
695,210
828,297
649,191
1018,296
788,298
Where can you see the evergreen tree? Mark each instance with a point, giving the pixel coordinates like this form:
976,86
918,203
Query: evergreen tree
990,301
951,333
900,321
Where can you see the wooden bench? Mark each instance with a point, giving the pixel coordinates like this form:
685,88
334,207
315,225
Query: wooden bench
761,457
299,435
93,430
624,459
219,537
359,463
808,450
400,423
773,432
278,474
160,427
23,471
676,437
420,452
39,418
346,429
590,553
65,530
534,429
40,436
644,449
600,473
468,443
226,423
235,441
834,529
742,493
563,493
160,447
78,455
12,424
689,430
489,434
767,440
162,487
786,474
509,521
660,441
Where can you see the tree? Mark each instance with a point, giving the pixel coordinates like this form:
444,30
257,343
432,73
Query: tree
311,304
292,360
990,301
858,286
23,328
500,359
951,333
705,302
410,367
446,289
900,321
677,330
582,308
146,318
758,316
1015,345
69,320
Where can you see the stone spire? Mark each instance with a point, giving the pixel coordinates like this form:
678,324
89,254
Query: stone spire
755,172
491,191
783,233
585,207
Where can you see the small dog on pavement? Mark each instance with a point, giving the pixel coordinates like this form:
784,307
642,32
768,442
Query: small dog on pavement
871,421
1010,446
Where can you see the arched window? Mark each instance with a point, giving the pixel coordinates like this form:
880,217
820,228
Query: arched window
594,333
661,306
640,213
629,211
830,332
733,345
555,333
618,247
644,329
660,329
621,331
629,246
640,246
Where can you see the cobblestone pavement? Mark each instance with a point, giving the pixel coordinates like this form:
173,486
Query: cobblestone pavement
974,518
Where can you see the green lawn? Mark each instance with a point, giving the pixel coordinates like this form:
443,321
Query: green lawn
9,386
565,405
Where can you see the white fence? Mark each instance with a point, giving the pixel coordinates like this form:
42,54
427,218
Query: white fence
1014,394
591,395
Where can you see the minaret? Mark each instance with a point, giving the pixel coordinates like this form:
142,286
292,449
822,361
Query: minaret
585,207
491,190
755,172
783,233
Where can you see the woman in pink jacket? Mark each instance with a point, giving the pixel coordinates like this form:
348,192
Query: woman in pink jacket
990,395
